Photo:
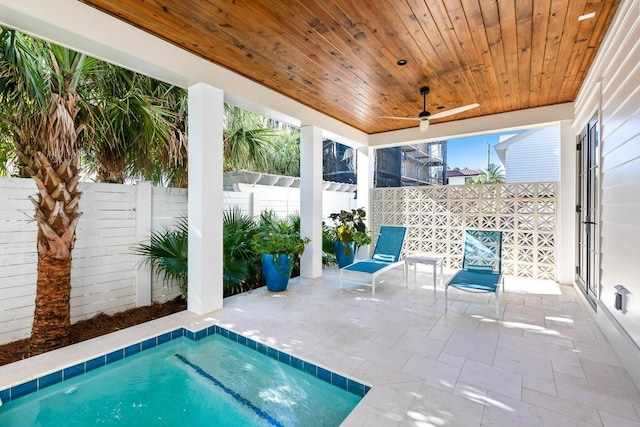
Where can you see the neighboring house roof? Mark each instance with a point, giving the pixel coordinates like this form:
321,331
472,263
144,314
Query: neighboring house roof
463,172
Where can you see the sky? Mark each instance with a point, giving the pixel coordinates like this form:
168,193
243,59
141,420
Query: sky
471,152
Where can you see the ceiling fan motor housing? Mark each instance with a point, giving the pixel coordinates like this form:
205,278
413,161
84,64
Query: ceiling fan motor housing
424,91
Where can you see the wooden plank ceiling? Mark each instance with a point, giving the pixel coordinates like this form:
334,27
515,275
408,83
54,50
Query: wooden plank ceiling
340,56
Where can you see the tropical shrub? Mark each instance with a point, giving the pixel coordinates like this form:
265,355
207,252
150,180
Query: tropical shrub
328,251
241,270
166,254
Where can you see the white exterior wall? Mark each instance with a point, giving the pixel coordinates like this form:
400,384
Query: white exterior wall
458,180
535,157
612,90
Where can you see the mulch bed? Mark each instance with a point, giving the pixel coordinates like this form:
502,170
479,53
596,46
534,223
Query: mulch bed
100,324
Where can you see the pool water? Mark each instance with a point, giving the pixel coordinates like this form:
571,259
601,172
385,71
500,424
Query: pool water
211,382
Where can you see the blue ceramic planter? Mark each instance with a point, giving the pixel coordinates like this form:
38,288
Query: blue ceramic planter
343,258
277,270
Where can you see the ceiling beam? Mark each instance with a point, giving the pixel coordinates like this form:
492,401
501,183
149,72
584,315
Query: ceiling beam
495,123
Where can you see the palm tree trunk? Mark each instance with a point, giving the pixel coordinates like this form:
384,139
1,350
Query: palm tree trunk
52,316
57,216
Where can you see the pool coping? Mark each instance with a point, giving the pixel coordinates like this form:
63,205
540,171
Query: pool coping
71,371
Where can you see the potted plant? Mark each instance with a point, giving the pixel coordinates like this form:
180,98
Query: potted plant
279,243
351,233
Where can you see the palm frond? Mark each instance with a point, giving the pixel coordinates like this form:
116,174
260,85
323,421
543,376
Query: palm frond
167,254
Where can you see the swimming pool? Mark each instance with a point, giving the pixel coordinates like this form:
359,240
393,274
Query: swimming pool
214,381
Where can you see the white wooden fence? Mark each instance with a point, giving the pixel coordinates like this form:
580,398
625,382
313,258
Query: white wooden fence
106,276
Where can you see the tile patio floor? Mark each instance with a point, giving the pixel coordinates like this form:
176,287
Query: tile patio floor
544,362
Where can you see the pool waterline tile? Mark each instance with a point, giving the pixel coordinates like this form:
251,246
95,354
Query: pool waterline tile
48,380
95,363
73,371
150,343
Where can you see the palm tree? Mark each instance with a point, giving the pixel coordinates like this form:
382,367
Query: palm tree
494,174
247,140
140,126
284,158
39,89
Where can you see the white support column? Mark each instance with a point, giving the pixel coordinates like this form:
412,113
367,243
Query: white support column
566,205
311,200
364,170
365,177
143,231
205,198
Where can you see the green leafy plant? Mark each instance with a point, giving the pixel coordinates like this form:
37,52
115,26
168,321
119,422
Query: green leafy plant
328,251
241,264
278,236
166,254
350,227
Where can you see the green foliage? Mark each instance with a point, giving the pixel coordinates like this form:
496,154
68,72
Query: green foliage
241,263
328,251
166,254
247,140
495,176
139,130
243,242
284,158
350,227
128,125
278,236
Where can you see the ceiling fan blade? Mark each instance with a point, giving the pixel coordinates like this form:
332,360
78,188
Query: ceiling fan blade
424,125
400,118
453,111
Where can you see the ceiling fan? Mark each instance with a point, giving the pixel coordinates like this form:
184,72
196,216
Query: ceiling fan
424,115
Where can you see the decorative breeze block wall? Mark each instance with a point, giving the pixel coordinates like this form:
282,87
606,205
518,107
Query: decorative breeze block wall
436,217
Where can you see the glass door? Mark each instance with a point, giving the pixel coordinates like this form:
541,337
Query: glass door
587,270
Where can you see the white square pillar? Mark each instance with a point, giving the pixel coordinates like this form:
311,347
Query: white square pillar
206,106
311,200
566,205
364,175
364,171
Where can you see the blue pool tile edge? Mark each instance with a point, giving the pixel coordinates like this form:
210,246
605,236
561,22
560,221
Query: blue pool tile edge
33,385
340,381
14,392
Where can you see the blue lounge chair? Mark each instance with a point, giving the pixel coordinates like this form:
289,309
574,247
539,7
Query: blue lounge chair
481,265
386,255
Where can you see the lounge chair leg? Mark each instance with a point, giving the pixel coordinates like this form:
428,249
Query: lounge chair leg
373,286
446,302
341,279
406,281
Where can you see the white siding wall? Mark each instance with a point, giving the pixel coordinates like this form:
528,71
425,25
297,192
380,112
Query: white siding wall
612,88
457,180
535,157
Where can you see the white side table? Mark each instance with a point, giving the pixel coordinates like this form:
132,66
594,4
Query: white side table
423,258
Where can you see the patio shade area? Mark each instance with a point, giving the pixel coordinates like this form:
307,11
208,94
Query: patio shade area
542,361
